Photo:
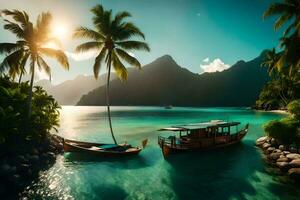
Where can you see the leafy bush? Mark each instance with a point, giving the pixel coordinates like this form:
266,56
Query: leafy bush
16,130
285,131
294,109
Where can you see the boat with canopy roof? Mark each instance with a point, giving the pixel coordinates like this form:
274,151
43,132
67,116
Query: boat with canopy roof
201,136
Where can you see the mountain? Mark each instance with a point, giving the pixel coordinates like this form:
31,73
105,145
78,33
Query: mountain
69,92
164,82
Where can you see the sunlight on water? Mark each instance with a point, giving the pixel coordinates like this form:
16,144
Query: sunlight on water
237,172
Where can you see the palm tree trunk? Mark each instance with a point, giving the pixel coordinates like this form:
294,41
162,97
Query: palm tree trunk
30,92
107,99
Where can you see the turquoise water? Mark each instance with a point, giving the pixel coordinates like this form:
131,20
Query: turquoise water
237,172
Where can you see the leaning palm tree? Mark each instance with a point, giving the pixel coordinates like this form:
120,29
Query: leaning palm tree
111,38
31,46
289,13
271,60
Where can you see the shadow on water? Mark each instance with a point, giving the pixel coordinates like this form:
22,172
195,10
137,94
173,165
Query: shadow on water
220,174
129,162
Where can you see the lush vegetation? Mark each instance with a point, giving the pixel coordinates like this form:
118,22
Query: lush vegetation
112,38
18,134
286,130
30,47
283,64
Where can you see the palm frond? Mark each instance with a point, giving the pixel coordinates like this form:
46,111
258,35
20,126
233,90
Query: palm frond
12,61
43,27
119,67
282,20
278,8
89,46
44,66
14,28
126,31
83,32
133,45
9,47
128,58
59,55
98,61
120,16
19,16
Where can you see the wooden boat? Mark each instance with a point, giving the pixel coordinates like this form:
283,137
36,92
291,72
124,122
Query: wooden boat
201,136
99,149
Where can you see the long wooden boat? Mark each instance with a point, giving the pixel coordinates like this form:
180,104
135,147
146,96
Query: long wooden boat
201,136
101,149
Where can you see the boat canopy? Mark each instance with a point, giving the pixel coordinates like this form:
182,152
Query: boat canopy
202,125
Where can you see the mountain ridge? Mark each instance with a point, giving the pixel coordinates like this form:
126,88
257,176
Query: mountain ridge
164,82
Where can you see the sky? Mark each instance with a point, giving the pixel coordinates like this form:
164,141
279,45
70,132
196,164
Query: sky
200,35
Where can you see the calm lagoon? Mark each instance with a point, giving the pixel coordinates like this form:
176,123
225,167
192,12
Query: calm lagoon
237,172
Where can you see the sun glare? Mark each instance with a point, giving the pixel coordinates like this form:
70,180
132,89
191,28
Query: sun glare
60,30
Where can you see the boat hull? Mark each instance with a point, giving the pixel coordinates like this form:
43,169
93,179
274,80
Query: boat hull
91,149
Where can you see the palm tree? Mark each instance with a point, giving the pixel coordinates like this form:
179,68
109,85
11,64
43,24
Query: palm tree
271,60
111,38
288,11
30,46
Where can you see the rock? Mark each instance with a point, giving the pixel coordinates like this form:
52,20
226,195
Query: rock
295,163
282,159
282,165
294,173
266,145
282,147
270,150
274,156
273,142
286,152
292,156
51,156
34,158
277,151
260,141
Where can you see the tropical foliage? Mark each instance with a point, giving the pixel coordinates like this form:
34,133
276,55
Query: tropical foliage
111,38
30,47
284,65
286,130
16,131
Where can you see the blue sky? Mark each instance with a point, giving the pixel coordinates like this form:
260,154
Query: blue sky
191,31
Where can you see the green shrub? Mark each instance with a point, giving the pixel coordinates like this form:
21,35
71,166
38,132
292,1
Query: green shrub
294,108
285,131
17,131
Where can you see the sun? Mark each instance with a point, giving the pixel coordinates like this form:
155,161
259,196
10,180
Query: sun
59,31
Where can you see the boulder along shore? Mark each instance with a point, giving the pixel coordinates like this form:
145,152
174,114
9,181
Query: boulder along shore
284,157
18,171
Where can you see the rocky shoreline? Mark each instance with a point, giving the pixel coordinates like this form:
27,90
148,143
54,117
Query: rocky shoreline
286,158
18,171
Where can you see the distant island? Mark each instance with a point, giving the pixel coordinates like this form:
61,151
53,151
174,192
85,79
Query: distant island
164,82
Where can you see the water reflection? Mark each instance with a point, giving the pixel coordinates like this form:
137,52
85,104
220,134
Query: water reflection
237,172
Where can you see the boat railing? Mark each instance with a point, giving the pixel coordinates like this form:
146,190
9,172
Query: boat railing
172,141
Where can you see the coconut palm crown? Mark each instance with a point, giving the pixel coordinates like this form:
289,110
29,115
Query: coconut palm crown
30,46
112,39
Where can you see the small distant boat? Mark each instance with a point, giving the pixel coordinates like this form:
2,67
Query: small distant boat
169,107
201,136
103,150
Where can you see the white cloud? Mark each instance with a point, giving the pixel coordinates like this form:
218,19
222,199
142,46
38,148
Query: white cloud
214,66
206,60
82,56
40,74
